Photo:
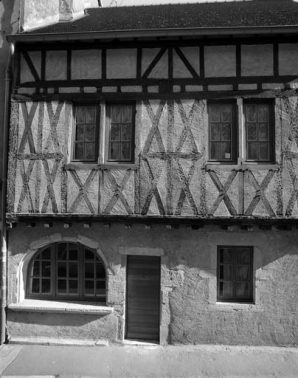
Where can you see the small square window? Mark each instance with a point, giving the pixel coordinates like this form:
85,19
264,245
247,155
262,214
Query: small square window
259,131
235,274
222,131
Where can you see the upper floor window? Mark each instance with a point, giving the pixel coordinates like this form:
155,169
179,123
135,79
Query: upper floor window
68,271
116,132
249,141
235,274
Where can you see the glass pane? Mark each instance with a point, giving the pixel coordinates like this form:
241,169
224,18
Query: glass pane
62,251
46,269
226,151
73,252
242,289
214,113
89,255
36,268
251,114
243,256
100,271
89,287
126,114
90,151
126,132
89,270
264,150
114,151
62,269
226,113
226,131
90,114
251,131
263,131
126,150
242,272
226,255
35,285
252,152
100,288
79,151
46,286
115,132
61,286
80,133
73,270
263,113
215,151
214,131
116,114
90,133
227,272
227,289
80,114
73,286
46,254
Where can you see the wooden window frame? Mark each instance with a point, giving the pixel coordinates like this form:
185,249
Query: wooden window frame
81,263
234,298
271,131
97,127
234,132
108,160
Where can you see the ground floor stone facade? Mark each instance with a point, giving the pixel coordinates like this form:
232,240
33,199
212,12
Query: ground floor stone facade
190,312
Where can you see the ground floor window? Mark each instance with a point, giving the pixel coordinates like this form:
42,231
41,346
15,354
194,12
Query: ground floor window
235,274
68,271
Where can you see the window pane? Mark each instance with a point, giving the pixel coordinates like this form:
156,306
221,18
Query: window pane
263,113
242,272
62,269
89,287
214,113
90,133
73,287
263,131
226,131
251,114
90,151
62,251
226,151
215,151
79,151
89,255
126,132
264,150
46,254
227,289
251,131
226,113
61,286
115,151
126,151
243,255
227,272
73,270
46,286
100,288
80,133
73,252
35,285
100,271
126,113
89,270
215,131
80,114
36,268
115,132
90,114
226,255
46,269
252,152
242,289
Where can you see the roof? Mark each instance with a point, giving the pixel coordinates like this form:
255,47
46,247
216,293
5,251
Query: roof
198,16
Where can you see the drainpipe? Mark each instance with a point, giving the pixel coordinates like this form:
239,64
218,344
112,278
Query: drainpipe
3,257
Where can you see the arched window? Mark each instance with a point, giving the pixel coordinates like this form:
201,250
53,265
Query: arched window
66,271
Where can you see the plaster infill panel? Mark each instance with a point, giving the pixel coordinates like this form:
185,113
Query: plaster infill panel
26,74
220,61
192,55
257,60
288,58
122,64
160,70
86,64
56,65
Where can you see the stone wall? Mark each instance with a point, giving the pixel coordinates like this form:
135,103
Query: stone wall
190,313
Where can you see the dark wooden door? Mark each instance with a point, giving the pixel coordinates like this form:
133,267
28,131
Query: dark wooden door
143,298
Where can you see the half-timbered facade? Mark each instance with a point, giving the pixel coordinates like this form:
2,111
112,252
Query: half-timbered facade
152,189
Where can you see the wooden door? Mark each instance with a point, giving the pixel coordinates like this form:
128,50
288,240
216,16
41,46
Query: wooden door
143,298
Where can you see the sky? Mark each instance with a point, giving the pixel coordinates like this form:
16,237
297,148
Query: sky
106,3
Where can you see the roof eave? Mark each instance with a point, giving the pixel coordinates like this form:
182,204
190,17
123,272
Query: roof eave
183,32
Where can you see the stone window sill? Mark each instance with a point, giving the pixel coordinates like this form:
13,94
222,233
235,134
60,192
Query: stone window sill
87,166
212,166
33,305
229,307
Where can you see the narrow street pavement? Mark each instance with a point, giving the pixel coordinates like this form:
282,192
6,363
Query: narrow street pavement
147,361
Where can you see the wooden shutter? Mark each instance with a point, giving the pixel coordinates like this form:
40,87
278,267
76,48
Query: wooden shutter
143,297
